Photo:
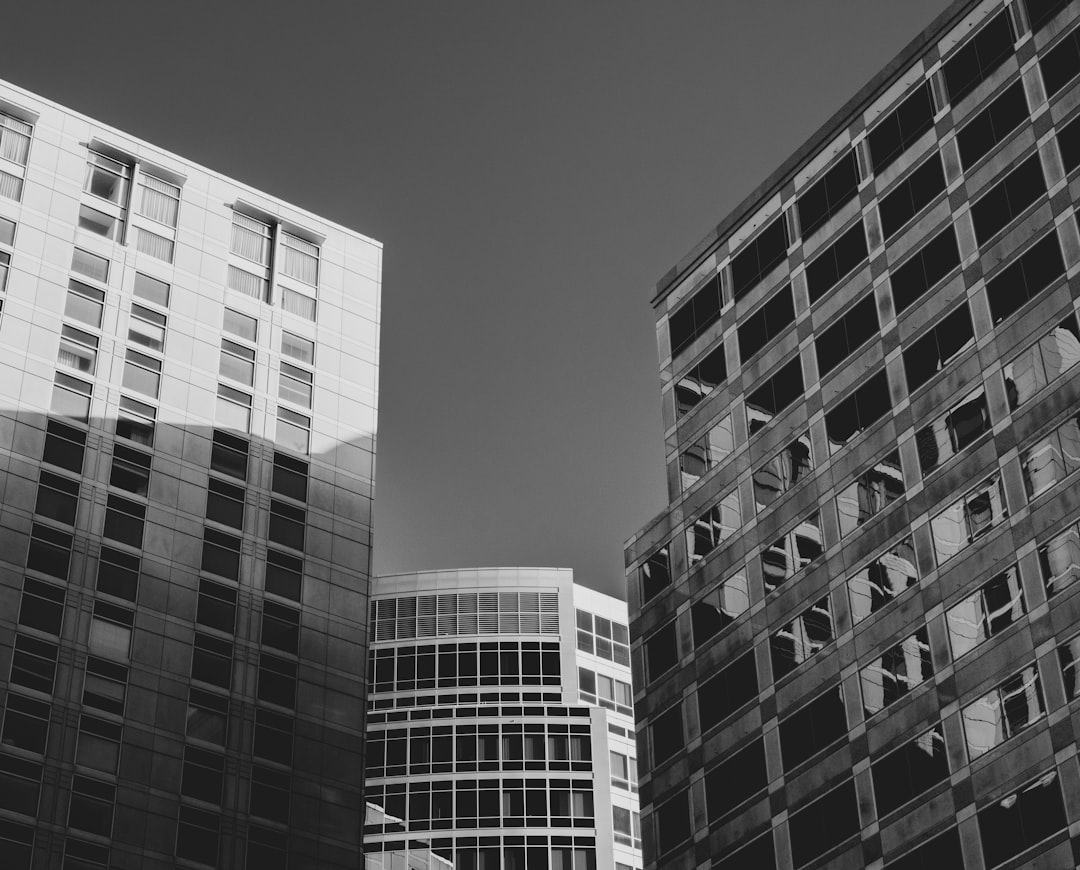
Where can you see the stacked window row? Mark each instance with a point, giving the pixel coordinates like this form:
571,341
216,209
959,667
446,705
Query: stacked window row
450,665
464,613
486,853
603,637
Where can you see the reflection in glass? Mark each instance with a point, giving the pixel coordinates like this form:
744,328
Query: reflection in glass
721,607
1034,368
1059,560
870,492
988,611
898,671
712,527
707,452
1003,712
781,473
968,519
792,552
952,432
1051,459
802,638
885,578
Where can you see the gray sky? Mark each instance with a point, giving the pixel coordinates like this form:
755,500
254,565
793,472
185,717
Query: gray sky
532,170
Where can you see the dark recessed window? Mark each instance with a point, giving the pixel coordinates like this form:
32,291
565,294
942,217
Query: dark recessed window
1030,274
655,574
42,606
936,259
269,849
758,258
802,638
783,472
1069,658
229,455
273,737
725,693
33,664
211,660
225,503
217,606
284,575
898,130
870,492
672,822
57,498
926,357
124,521
197,836
847,334
774,395
290,477
713,527
287,524
105,686
912,195
26,723
661,651
1061,63
759,852
281,627
277,680
858,412
1020,820
667,734
702,379
829,194
719,608
1008,198
1003,115
50,551
695,315
20,782
91,808
942,851
968,67
207,717
118,574
204,773
899,670
130,470
825,823
961,426
812,728
1041,11
910,770
766,323
221,554
736,780
65,446
1069,143
792,552
836,262
707,452
883,580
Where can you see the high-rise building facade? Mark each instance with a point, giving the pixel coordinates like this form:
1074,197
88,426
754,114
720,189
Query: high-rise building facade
188,384
500,725
855,628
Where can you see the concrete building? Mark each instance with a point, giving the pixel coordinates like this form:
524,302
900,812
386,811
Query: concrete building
855,628
187,425
500,726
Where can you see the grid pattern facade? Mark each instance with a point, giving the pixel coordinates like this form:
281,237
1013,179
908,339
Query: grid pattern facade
488,745
185,534
853,628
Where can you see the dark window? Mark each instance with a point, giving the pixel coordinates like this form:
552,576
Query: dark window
287,524
801,638
42,606
709,530
792,552
1041,11
701,380
836,262
91,808
942,851
65,446
655,574
290,477
1024,279
268,850
280,627
774,395
847,334
758,854
270,795
124,521
870,492
813,727
26,723
937,348
207,717
229,455
50,551
221,554
736,780
1061,63
217,606
33,664
273,736
858,412
118,574
936,259
897,672
197,836
99,744
766,323
965,423
912,195
284,575
105,686
783,472
1008,198
719,609
667,734
661,651
204,774
16,844
968,67
225,503
57,498
1069,143
758,258
695,315
828,195
900,128
1027,816
211,660
825,823
20,782
910,770
130,470
277,680
673,822
1003,115
725,693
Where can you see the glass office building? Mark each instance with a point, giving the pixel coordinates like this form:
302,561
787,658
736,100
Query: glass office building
856,628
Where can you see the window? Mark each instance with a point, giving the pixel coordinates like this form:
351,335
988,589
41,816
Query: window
118,574
99,744
758,258
65,446
812,728
90,265
217,606
899,130
829,194
5,261
130,470
270,795
719,608
954,431
197,836
151,289
147,328
699,381
667,734
142,373
758,852
847,334
71,398
1069,143
57,498
773,396
237,362
135,421
802,638
1059,560
290,477
26,723
267,849
300,259
1042,362
968,519
110,631
930,354
661,651
1020,820
298,348
159,201
1051,459
293,430
14,139
280,628
655,574
211,660
221,554
16,843
299,304
233,409
912,195
711,528
1003,712
899,670
1008,198
207,717
33,664
973,62
729,690
273,737
942,851
995,606
792,552
1061,64
250,239
992,125
78,350
84,303
836,262
1025,278
673,822
277,680
910,770
736,780
765,324
824,824
783,472
294,385
20,782
707,452
936,259
104,686
124,520
695,315
870,493
1041,11
91,808
50,551
850,417
204,773
41,606
225,503
284,575
287,524
229,455
107,179
100,223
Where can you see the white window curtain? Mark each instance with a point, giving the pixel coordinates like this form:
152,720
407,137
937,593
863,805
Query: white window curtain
298,303
10,186
248,284
160,200
300,260
155,245
250,239
14,139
